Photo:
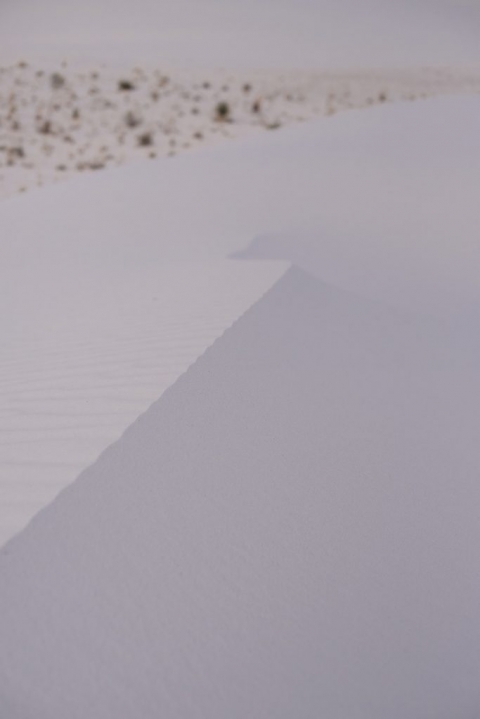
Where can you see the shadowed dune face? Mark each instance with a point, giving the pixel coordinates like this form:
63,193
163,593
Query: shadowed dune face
288,531
85,352
97,282
399,222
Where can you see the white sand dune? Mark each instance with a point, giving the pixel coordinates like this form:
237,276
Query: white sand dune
289,531
269,33
85,351
381,202
390,196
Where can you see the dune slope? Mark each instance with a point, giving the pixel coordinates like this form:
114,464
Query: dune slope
96,322
387,196
85,350
288,531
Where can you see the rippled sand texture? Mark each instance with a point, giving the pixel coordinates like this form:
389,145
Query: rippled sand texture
91,354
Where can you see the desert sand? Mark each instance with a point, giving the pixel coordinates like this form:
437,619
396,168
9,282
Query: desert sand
239,361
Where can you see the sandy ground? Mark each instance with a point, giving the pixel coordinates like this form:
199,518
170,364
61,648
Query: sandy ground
75,373
115,282
290,531
58,122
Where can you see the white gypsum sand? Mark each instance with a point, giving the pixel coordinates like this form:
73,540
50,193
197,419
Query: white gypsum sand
392,209
58,122
289,531
85,351
87,344
387,197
